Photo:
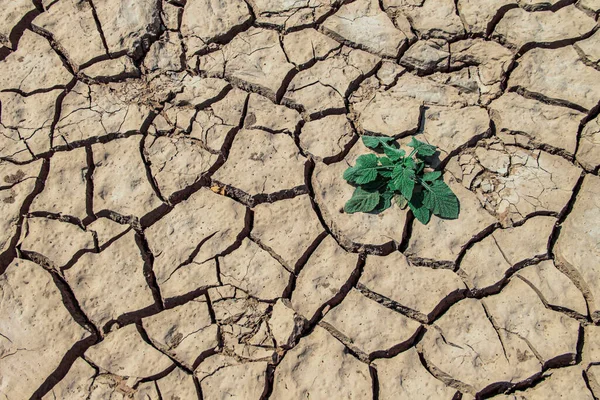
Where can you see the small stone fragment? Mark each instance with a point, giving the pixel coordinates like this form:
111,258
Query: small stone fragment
124,353
319,280
36,335
393,328
320,367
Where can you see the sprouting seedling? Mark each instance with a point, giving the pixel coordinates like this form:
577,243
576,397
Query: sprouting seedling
400,177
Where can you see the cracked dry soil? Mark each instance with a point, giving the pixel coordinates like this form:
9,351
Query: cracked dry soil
170,196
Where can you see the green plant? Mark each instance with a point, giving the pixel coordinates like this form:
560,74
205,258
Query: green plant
400,177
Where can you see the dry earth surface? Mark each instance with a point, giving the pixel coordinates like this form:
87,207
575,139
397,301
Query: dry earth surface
171,221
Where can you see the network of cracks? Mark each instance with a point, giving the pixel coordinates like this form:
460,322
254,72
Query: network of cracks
171,200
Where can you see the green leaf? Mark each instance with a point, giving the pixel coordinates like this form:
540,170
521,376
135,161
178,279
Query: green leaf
401,201
423,149
385,202
362,201
374,142
367,160
440,200
364,171
393,153
410,163
403,179
431,176
385,161
422,213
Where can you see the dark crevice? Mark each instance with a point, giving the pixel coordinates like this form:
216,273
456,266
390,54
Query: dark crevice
89,186
19,29
99,26
148,257
374,381
11,253
148,169
593,114
547,100
253,200
491,27
555,44
269,378
65,364
443,306
400,347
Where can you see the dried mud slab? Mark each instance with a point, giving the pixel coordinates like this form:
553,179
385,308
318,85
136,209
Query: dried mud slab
172,220
36,335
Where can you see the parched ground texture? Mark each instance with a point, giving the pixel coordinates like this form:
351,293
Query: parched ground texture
171,200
